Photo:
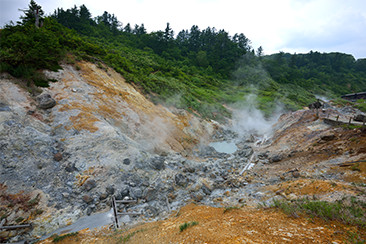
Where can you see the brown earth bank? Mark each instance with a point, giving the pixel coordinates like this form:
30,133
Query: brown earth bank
225,225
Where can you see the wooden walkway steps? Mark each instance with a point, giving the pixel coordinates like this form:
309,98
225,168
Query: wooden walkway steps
116,211
342,121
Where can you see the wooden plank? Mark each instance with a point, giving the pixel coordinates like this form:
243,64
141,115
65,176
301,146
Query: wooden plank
346,164
125,201
14,227
119,213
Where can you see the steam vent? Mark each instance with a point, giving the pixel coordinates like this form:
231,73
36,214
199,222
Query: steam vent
113,133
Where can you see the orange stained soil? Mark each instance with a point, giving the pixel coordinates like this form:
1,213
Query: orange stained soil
215,225
311,187
118,102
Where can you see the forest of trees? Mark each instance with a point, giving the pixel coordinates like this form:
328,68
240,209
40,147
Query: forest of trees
198,70
204,48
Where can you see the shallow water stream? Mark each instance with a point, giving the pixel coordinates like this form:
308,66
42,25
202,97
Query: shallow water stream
91,222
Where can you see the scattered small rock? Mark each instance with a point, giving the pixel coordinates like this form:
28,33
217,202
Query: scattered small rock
263,155
87,199
197,196
276,158
136,193
150,194
327,137
110,190
157,163
359,117
57,156
123,193
206,189
71,168
89,184
291,196
103,196
126,161
296,174
181,180
4,107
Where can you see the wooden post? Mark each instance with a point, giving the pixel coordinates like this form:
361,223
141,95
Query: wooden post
114,206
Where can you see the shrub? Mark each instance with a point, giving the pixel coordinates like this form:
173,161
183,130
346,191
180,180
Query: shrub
186,225
57,238
348,210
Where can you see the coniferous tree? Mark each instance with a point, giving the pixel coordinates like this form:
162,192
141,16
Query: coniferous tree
168,34
34,14
260,51
127,28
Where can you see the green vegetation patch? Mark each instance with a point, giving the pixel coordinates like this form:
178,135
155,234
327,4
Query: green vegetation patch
126,238
348,210
57,238
186,225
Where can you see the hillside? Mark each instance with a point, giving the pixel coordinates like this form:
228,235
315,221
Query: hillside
70,159
208,144
198,70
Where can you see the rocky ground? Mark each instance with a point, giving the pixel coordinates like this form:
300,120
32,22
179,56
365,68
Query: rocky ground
65,155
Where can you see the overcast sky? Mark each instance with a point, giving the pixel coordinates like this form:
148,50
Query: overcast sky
276,25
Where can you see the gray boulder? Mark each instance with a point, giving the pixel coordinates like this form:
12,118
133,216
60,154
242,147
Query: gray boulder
157,163
45,101
276,158
181,180
359,117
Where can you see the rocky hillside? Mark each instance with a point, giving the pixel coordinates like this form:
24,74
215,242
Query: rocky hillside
91,136
89,132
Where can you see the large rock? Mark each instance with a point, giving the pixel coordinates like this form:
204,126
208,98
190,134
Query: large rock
89,184
150,194
359,117
110,190
328,137
45,101
276,158
181,180
157,163
4,107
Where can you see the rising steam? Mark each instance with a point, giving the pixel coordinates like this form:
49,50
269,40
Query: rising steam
249,120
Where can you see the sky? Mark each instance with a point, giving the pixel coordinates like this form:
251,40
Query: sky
295,26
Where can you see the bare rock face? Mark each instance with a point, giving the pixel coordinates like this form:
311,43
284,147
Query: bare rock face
45,101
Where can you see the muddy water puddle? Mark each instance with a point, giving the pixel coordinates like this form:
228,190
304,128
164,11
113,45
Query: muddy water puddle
224,147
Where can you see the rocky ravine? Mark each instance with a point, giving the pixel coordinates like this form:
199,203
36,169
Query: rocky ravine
103,138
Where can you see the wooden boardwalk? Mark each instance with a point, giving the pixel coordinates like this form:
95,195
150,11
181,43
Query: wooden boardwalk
342,121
